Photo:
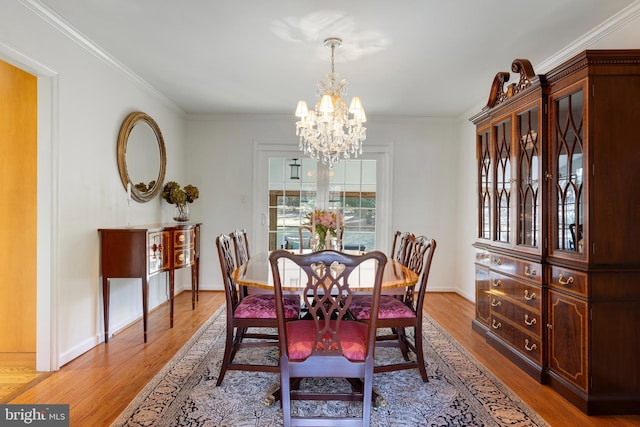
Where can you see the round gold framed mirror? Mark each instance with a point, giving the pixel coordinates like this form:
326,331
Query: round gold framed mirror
142,157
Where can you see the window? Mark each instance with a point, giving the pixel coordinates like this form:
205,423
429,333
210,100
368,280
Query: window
349,187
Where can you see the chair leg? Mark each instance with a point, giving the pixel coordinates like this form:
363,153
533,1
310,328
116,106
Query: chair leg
366,398
285,394
226,358
402,343
419,352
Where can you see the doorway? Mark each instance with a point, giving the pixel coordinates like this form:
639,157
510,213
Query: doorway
45,128
18,226
368,205
295,190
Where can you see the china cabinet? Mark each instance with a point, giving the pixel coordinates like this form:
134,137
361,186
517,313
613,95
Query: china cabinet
557,264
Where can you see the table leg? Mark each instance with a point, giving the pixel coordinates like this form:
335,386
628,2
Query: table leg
171,288
194,285
145,305
105,307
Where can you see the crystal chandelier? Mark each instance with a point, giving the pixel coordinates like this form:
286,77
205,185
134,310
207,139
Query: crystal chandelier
330,132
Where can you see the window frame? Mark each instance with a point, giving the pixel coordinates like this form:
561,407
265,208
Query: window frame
263,150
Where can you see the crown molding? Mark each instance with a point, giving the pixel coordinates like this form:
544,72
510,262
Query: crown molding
618,20
57,22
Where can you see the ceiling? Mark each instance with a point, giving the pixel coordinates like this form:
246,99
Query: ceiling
432,58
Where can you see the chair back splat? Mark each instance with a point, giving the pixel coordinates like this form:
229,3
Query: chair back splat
328,342
241,249
400,248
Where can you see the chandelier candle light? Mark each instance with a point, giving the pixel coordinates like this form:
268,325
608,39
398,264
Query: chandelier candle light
330,131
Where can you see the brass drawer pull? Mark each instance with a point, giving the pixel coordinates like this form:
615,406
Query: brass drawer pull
495,325
181,238
181,257
497,261
529,296
495,303
526,346
567,282
529,273
497,283
529,322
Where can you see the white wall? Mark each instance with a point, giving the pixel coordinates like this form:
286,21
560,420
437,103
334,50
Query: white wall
90,100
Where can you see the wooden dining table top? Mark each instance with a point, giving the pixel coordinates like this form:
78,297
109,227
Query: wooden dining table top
257,273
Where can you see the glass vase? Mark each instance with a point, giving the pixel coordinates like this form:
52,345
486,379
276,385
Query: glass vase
182,212
319,242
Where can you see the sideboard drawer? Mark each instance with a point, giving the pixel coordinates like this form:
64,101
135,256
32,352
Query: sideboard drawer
517,267
527,318
483,257
566,279
183,238
526,343
183,257
523,292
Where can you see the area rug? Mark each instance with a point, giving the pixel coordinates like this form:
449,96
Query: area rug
460,391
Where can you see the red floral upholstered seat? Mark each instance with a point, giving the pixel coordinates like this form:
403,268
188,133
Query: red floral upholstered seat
390,308
263,306
301,335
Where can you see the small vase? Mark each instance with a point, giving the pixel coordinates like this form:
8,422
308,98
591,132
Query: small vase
182,212
320,242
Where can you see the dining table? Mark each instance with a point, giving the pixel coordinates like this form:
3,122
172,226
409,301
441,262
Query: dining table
256,273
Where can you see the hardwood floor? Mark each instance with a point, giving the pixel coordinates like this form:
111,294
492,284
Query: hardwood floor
100,384
17,371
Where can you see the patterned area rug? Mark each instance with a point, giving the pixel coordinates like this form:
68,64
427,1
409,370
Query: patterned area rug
460,391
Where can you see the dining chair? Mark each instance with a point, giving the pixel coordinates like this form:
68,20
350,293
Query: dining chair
241,250
404,312
399,250
305,242
327,343
241,246
247,313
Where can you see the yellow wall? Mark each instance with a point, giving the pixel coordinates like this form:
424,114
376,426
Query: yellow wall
18,173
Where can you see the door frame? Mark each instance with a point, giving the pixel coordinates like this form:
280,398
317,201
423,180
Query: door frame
263,150
47,221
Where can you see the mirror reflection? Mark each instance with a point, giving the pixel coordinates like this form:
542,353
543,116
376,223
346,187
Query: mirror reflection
143,156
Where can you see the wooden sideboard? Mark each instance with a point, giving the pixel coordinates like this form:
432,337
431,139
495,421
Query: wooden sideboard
144,251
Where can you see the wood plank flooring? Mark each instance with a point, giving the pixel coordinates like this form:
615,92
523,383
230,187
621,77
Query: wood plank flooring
17,371
100,384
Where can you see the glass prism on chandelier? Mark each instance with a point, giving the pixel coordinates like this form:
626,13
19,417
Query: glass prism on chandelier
330,131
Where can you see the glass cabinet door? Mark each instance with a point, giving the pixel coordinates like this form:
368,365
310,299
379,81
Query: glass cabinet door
528,157
567,138
502,138
484,185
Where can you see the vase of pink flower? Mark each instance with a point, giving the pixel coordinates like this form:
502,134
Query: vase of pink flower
325,225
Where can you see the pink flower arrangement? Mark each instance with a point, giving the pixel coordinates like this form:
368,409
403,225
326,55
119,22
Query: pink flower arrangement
322,221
